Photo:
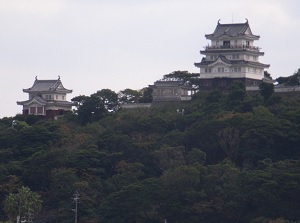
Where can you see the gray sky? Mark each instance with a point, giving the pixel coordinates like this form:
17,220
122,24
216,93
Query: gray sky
97,44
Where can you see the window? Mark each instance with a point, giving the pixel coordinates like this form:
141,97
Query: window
222,83
56,96
247,43
226,43
207,70
207,83
237,69
63,97
40,110
236,56
32,110
220,69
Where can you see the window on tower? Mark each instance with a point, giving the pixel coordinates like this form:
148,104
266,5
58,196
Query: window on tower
237,69
220,69
236,56
207,83
226,44
207,70
222,83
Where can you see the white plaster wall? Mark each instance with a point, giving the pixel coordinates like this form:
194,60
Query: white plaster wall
58,107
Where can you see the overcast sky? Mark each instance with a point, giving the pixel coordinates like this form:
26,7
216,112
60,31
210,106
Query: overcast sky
118,44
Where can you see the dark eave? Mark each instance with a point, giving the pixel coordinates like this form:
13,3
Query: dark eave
205,63
232,30
227,51
47,86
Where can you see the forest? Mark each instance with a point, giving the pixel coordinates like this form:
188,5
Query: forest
221,157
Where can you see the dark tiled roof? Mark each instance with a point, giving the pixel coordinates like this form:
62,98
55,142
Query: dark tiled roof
36,98
233,30
47,86
233,62
61,103
42,101
231,51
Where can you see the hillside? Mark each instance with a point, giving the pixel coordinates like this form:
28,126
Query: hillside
227,158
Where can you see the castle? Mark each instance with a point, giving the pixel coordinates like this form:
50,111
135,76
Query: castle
46,98
231,56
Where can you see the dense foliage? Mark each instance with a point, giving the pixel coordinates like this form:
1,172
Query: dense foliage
229,157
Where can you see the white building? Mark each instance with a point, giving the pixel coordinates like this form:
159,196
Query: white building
46,98
231,56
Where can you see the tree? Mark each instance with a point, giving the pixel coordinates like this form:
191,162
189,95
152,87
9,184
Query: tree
147,95
109,99
25,204
228,139
180,75
129,96
266,90
92,109
237,93
79,100
290,80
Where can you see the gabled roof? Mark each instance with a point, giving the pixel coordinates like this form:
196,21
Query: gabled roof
35,99
232,30
205,63
43,102
47,86
221,59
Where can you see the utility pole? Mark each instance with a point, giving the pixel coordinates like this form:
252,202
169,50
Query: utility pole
76,198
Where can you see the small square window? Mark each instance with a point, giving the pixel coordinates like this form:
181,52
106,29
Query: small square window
222,83
32,110
220,69
40,110
207,83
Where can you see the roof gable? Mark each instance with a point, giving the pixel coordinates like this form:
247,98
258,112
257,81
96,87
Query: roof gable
47,86
220,60
232,30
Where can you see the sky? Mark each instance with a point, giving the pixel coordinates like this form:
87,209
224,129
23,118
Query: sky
119,44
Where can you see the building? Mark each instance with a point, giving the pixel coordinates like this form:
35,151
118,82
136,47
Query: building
171,90
46,98
231,56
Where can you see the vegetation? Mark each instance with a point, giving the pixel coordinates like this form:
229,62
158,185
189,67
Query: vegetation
228,158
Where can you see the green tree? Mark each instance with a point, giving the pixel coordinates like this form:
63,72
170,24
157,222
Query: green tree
237,93
129,96
25,204
146,95
290,80
266,90
92,109
109,99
